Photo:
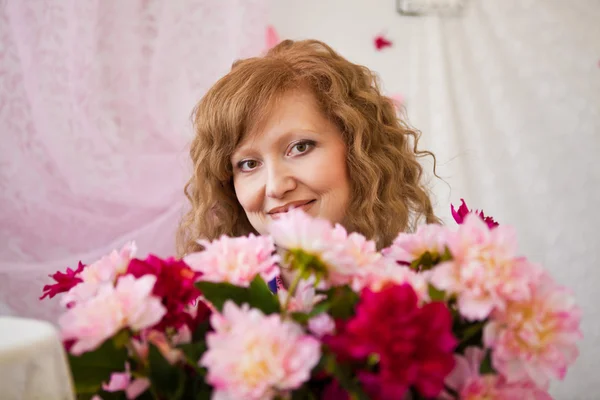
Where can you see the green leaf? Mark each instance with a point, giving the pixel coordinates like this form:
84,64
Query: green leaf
196,389
108,395
344,376
342,301
486,365
91,369
166,379
262,298
122,338
435,294
258,295
199,333
471,330
193,352
320,308
307,264
447,256
303,393
300,317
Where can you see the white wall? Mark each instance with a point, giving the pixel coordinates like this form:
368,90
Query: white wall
508,97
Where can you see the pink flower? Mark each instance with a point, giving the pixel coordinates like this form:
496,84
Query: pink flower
414,344
304,298
408,247
463,211
484,273
236,260
535,339
344,256
121,381
388,273
321,325
162,343
253,356
64,281
102,271
129,304
470,385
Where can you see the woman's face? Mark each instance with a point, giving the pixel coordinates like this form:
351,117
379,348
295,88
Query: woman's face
297,158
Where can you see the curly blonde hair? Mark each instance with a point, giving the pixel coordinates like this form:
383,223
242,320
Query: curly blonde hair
388,195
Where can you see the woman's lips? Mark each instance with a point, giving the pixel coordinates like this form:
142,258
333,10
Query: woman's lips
304,207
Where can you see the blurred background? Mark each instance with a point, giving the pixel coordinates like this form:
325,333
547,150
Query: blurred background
96,98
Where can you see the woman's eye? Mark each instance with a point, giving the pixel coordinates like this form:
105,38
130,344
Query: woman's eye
300,148
247,165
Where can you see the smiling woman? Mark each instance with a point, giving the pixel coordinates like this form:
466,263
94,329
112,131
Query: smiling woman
302,127
295,159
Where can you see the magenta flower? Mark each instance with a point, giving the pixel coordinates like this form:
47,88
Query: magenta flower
414,344
64,281
174,286
463,211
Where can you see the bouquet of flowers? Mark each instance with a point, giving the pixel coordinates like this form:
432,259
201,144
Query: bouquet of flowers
448,313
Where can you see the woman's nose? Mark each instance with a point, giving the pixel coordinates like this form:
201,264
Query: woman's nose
279,182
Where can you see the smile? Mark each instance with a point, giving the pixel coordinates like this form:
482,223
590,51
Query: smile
303,205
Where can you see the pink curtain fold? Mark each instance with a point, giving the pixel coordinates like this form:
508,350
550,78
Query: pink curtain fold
95,106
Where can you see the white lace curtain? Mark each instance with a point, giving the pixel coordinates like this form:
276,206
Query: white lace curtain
508,97
95,100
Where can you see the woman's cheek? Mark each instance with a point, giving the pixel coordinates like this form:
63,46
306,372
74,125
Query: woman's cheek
248,192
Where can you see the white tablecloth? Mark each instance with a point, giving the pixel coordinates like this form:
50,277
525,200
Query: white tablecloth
33,364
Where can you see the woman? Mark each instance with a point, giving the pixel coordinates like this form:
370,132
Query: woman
301,127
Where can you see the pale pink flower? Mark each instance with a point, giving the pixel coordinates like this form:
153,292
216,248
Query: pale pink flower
102,271
236,260
387,272
321,325
304,298
345,255
408,247
121,381
466,380
360,255
536,339
129,304
252,356
484,273
162,343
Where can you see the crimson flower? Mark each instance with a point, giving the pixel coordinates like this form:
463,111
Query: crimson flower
460,214
175,285
410,345
64,281
381,42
